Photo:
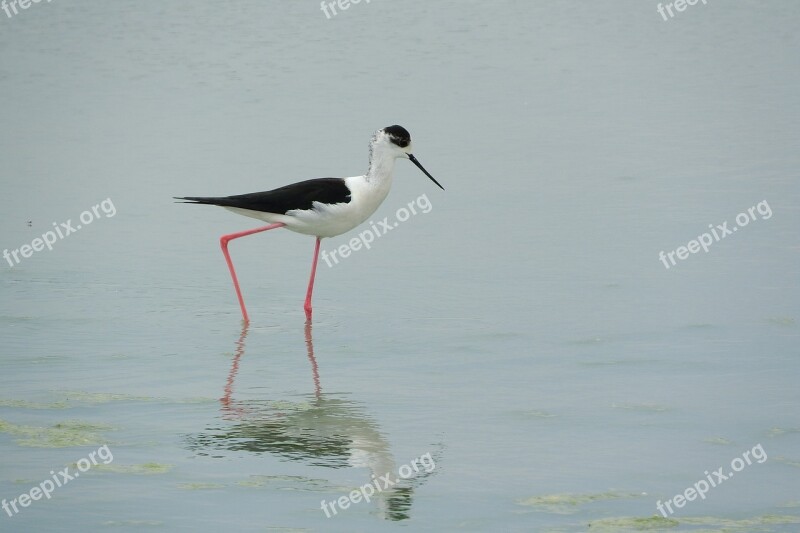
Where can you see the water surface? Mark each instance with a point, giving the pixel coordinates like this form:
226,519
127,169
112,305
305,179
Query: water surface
524,332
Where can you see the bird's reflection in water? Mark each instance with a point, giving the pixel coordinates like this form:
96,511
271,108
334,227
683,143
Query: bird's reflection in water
319,429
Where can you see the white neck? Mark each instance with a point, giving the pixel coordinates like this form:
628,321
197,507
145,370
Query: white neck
381,165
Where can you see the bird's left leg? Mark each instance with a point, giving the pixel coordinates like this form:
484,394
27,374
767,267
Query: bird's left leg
307,305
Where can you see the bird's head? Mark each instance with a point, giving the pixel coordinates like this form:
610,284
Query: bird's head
397,142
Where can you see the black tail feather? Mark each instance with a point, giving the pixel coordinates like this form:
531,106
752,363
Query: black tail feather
301,195
209,200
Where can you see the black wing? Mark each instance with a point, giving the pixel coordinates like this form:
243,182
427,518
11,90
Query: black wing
300,195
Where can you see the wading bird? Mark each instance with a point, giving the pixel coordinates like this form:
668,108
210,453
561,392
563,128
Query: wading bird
322,207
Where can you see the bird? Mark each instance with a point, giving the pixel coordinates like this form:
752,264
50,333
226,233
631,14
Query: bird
320,207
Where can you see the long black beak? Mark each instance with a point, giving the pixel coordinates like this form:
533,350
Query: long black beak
419,165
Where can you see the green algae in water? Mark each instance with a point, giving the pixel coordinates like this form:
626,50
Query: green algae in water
700,325
252,484
534,413
654,523
68,399
701,524
779,432
749,525
102,397
721,441
787,461
569,503
781,320
25,404
62,435
96,398
201,486
290,483
142,469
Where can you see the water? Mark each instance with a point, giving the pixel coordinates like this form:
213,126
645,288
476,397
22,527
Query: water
524,332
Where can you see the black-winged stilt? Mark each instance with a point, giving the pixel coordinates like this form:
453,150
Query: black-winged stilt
323,207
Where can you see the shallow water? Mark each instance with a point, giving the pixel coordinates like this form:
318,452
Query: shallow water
524,332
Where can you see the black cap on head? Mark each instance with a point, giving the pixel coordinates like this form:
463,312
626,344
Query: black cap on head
398,135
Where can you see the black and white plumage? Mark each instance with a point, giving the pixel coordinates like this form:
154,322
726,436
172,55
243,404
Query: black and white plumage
323,207
326,207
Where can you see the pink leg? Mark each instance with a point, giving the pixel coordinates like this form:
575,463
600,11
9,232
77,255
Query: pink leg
307,305
228,404
314,367
223,241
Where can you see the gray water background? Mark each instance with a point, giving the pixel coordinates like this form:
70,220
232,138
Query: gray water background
523,332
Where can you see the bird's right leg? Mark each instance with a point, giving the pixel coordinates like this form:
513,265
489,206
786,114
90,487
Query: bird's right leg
224,240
